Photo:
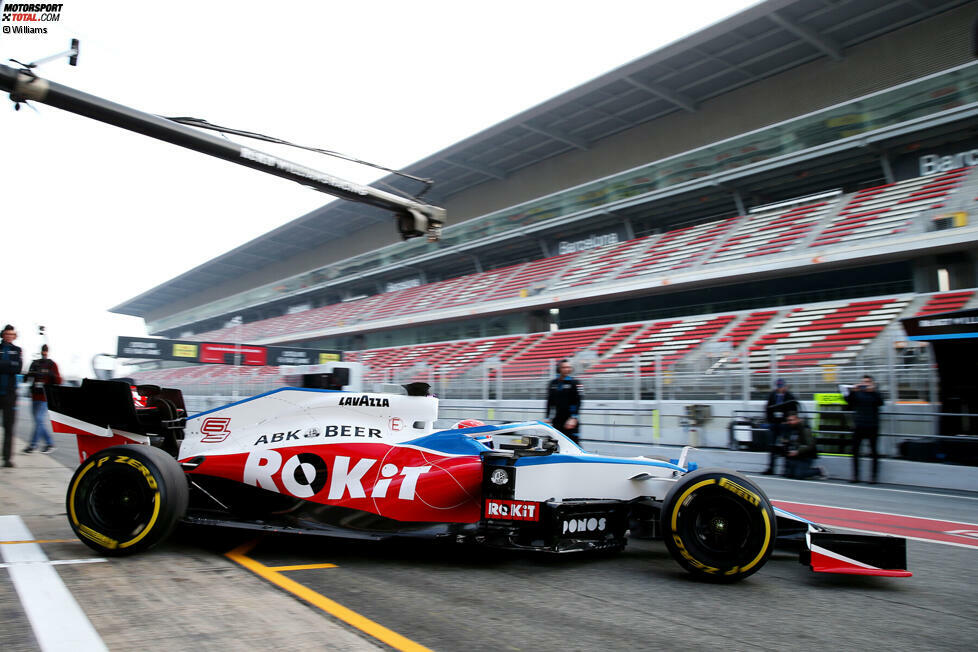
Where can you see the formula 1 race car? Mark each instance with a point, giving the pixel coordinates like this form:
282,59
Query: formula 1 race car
373,466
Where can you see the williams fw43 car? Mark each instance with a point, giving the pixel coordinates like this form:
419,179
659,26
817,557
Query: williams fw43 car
373,466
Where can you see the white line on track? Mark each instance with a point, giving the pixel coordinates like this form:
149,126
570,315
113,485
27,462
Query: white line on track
57,620
875,511
865,487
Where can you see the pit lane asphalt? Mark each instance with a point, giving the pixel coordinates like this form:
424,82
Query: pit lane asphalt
188,594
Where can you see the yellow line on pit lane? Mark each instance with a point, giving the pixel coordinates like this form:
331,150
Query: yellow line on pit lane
335,609
300,567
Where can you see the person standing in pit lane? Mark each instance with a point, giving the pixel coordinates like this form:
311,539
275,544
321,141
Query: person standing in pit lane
42,373
564,398
779,402
865,402
10,365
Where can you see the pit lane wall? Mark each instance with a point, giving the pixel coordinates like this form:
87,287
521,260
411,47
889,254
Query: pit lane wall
663,428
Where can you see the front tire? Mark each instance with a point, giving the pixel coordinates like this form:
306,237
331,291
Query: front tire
126,499
718,525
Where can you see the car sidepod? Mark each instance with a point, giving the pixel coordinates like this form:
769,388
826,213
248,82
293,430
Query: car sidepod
548,525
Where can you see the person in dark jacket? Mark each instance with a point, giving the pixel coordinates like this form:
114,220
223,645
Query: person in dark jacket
779,402
10,365
864,402
564,401
42,373
799,449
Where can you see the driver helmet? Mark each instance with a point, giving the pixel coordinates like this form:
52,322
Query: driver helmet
468,423
483,438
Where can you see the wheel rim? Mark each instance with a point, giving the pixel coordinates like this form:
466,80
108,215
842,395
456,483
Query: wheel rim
722,527
120,503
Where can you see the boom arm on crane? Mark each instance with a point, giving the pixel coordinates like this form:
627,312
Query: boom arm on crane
414,218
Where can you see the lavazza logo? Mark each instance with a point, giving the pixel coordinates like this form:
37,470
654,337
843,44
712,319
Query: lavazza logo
22,18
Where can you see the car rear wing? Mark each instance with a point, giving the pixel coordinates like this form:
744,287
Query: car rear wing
103,413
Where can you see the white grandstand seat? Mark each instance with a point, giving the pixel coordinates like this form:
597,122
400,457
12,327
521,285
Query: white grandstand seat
747,328
595,265
832,334
530,278
616,338
475,286
537,358
671,339
417,299
473,353
889,209
945,302
764,234
678,249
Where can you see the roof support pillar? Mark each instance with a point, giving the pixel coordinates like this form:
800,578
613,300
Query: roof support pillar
738,202
629,228
887,168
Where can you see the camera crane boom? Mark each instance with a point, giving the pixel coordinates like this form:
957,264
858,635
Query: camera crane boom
414,217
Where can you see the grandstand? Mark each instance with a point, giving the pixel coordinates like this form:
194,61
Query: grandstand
769,195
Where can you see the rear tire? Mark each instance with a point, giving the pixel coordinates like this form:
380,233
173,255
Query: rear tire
718,525
126,499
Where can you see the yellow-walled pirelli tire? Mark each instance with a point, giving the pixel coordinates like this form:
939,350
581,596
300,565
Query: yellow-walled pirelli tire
718,525
126,499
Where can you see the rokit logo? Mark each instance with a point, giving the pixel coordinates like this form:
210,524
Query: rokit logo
583,525
215,430
512,510
306,474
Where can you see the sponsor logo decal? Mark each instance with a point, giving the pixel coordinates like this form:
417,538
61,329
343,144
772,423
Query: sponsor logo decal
396,425
306,474
746,494
215,430
365,401
326,431
513,510
277,437
583,525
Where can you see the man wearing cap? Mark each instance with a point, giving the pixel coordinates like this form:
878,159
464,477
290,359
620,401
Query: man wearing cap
779,402
10,365
42,373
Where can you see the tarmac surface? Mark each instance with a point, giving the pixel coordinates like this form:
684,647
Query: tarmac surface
210,589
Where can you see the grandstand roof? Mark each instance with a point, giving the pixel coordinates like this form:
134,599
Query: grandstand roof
761,41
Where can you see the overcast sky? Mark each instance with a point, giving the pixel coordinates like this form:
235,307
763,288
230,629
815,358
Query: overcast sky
92,215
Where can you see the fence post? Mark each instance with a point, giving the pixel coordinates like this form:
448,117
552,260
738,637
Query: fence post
658,382
745,379
485,381
637,380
